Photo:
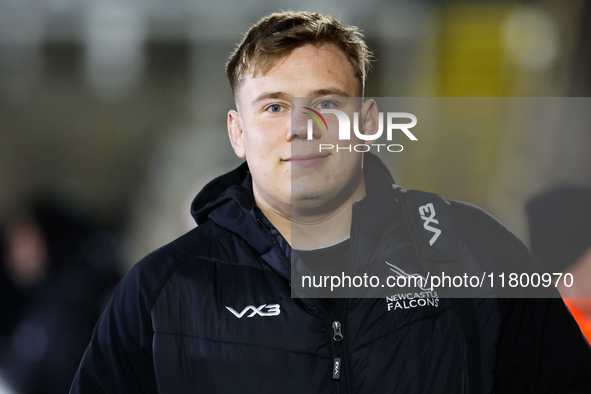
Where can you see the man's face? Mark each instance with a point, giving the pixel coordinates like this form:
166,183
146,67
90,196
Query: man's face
288,171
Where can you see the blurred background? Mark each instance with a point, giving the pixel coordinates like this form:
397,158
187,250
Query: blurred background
113,116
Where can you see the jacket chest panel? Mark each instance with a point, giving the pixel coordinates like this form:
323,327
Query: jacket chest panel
256,335
407,349
239,305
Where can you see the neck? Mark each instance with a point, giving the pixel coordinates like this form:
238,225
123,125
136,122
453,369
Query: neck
316,230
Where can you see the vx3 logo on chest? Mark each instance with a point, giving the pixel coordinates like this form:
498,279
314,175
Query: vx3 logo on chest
271,310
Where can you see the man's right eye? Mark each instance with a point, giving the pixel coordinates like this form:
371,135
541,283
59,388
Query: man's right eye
274,108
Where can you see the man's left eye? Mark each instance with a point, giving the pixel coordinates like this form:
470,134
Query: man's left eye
326,104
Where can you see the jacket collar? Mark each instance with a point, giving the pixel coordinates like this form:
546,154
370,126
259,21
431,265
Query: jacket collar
228,200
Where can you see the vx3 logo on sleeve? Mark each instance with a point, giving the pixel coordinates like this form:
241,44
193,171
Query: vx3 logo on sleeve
429,209
271,310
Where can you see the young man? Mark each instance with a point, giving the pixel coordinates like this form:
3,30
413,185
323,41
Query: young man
213,312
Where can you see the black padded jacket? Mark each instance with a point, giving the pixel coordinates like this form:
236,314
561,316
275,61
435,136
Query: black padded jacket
212,312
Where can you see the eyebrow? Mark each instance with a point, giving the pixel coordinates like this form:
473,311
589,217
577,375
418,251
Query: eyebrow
314,93
270,95
329,92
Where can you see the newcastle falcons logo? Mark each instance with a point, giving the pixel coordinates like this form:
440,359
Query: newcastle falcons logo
419,280
271,310
429,209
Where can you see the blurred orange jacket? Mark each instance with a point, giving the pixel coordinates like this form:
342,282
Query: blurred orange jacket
582,319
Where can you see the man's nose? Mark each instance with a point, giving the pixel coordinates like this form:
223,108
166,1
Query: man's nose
303,126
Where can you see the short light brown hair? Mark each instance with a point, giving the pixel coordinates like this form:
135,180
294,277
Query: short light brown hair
277,35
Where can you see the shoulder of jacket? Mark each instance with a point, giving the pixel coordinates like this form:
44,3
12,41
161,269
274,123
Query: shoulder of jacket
469,222
439,226
475,225
151,273
493,245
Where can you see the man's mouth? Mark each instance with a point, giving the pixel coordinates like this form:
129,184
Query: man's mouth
308,160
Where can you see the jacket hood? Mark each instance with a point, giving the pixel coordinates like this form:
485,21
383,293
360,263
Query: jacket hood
220,190
228,201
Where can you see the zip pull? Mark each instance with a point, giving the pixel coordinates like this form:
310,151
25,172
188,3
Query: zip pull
338,334
336,369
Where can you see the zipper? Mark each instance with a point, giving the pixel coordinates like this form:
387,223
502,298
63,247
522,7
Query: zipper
337,337
337,365
338,362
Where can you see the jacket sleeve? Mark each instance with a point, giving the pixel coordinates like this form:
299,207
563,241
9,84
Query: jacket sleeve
119,356
540,348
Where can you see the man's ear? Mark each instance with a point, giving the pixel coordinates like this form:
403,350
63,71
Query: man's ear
369,119
235,132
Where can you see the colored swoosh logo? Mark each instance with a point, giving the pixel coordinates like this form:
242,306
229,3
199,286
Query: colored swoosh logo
316,117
